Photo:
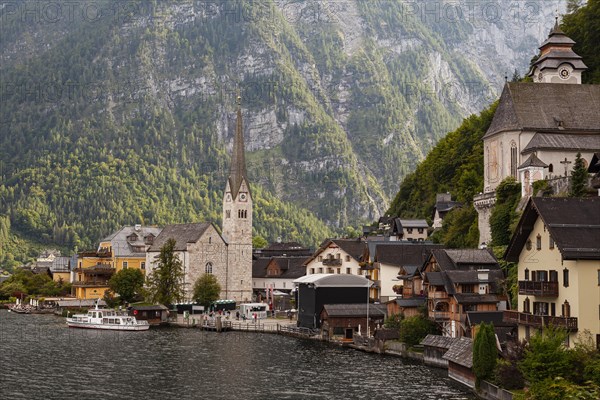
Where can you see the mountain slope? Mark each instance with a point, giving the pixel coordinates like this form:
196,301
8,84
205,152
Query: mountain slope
125,116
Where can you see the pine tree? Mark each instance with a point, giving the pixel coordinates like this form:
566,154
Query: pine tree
579,177
485,353
165,283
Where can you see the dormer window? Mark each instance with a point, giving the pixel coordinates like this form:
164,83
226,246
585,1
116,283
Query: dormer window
132,238
149,240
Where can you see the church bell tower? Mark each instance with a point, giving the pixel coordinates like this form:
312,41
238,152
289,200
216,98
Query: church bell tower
237,220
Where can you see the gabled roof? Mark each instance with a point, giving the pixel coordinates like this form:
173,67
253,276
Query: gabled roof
435,278
461,352
465,259
538,107
404,253
353,247
414,223
123,247
533,161
355,310
573,223
182,233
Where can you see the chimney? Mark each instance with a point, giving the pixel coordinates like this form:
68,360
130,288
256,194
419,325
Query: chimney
138,227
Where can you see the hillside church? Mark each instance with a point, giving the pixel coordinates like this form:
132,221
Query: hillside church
539,127
200,247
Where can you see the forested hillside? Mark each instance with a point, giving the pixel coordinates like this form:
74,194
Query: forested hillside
121,112
455,164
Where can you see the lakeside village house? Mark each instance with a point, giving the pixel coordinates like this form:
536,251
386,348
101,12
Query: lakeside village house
535,134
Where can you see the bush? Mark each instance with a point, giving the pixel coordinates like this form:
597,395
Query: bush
546,356
560,389
414,329
394,322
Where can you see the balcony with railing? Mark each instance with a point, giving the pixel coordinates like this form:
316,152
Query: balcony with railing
538,288
438,295
91,283
332,262
440,315
539,321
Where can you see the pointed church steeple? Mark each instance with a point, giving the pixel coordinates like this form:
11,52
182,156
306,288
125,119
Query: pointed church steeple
237,172
558,63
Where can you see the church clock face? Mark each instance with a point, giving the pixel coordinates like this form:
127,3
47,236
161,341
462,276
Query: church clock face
564,73
243,197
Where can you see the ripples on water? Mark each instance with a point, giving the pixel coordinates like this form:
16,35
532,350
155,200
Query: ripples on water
40,358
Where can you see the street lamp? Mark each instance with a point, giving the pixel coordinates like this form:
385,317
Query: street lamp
368,298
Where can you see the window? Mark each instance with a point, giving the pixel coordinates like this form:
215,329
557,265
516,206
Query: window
209,239
513,159
538,242
339,270
338,256
124,264
143,265
227,213
320,258
208,268
553,276
409,230
528,244
284,285
526,305
349,271
566,277
550,242
312,271
566,309
540,308
347,258
550,168
420,230
553,309
320,270
526,274
467,288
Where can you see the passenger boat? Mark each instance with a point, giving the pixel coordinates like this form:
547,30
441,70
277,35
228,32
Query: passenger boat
98,318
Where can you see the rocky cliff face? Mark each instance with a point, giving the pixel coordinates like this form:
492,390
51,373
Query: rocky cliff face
340,98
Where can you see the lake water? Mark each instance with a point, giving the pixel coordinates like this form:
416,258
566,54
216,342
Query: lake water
40,358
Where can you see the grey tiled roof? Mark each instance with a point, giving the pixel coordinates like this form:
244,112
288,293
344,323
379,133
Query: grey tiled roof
533,161
541,141
404,253
539,107
183,234
122,247
443,342
412,302
461,352
355,310
474,298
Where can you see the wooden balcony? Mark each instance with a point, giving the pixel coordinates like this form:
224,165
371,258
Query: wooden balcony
440,315
93,283
540,321
533,288
438,295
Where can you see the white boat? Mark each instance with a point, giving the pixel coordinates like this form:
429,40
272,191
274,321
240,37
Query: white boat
98,318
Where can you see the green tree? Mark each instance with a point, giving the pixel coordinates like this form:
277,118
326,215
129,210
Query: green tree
579,178
127,283
559,388
394,322
414,329
259,242
545,356
485,352
504,215
165,283
206,290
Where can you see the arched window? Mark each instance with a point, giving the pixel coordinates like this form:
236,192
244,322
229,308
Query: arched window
526,305
513,159
208,268
528,244
538,242
550,168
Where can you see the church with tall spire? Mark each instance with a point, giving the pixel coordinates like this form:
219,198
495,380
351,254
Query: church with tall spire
237,218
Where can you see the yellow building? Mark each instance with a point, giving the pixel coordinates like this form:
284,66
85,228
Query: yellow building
557,247
126,248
